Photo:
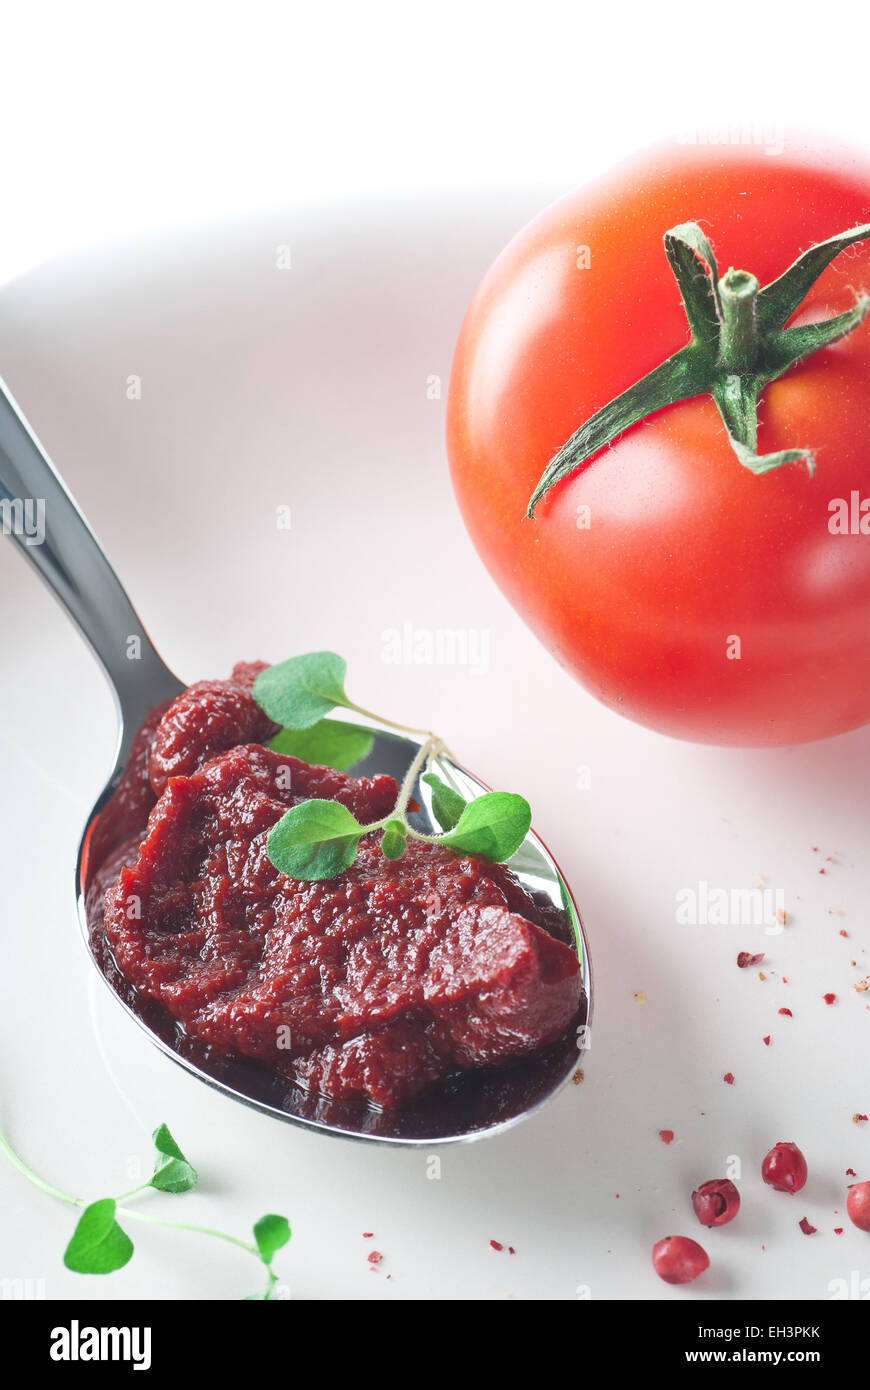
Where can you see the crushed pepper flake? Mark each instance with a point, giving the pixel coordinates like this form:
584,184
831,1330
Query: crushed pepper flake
850,1173
858,1118
766,1041
745,958
367,1235
728,1078
579,1077
829,998
375,1257
805,1226
838,1230
788,1013
666,1136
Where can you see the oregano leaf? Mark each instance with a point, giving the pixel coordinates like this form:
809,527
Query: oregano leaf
394,840
98,1245
447,804
493,825
298,692
328,743
270,1233
172,1171
314,840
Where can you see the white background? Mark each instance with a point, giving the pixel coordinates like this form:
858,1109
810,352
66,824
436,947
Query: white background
154,159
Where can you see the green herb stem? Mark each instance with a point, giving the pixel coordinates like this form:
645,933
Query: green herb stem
427,839
428,750
390,723
186,1226
133,1190
34,1178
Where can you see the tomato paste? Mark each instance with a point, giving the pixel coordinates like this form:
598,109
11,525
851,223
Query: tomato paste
371,986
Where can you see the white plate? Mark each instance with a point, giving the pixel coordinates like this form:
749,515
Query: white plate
312,389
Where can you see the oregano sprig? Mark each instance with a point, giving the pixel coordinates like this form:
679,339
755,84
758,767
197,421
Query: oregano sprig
100,1245
319,839
299,692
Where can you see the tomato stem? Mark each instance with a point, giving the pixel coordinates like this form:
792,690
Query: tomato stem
738,335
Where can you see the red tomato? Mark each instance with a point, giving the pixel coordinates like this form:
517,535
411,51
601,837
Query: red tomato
692,596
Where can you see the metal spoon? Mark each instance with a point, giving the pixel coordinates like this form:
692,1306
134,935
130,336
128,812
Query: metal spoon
67,555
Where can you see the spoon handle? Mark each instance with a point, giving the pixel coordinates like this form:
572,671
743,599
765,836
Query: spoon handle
37,511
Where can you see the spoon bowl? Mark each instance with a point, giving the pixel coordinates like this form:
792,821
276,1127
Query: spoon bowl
466,1106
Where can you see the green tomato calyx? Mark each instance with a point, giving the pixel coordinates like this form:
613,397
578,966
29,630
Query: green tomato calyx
738,344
